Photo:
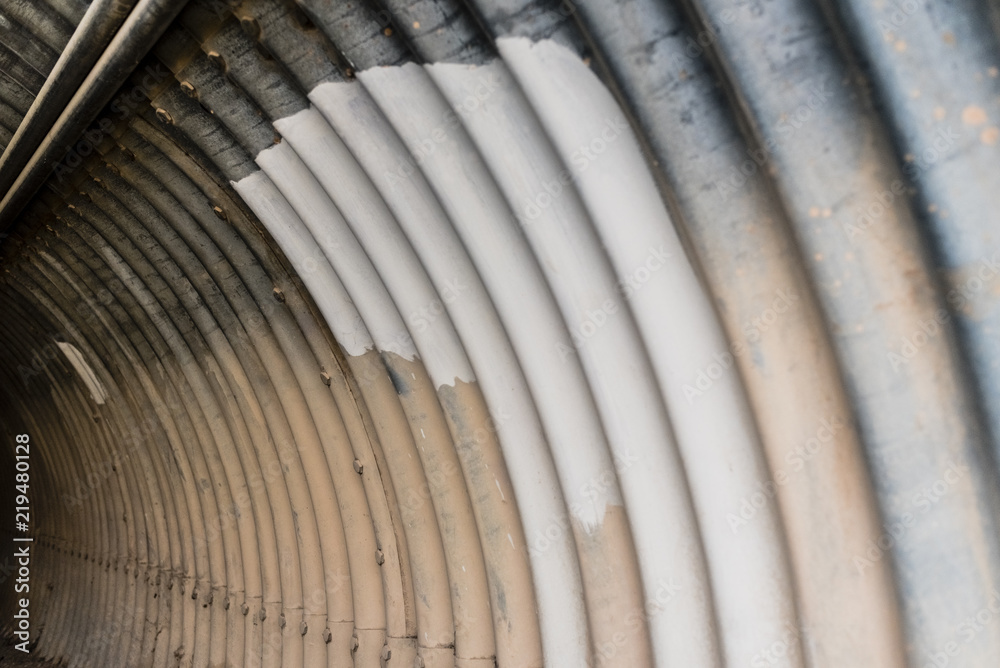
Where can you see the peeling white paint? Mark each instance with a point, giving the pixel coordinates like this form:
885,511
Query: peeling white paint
334,241
85,371
374,235
721,452
323,284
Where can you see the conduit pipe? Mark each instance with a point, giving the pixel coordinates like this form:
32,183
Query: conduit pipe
136,35
78,57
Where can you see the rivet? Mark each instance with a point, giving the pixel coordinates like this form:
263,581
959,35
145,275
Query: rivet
379,557
194,594
250,26
325,377
354,643
386,653
419,663
303,628
279,295
189,89
327,636
216,58
245,609
263,614
358,466
219,212
164,116
225,606
282,622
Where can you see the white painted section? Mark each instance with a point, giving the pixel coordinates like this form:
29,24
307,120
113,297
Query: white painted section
556,572
562,237
336,242
504,261
300,247
84,370
371,223
722,455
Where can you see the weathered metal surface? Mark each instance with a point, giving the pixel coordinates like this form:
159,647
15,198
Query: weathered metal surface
506,332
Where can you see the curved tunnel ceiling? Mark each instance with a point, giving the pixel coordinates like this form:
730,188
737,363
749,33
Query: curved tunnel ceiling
507,333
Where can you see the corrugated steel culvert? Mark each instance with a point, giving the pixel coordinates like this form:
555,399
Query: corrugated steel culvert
501,333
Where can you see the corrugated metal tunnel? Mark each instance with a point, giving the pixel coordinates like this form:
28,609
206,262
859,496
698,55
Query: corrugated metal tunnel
431,333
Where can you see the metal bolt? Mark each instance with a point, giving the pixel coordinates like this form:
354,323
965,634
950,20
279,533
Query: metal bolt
245,609
194,594
354,643
327,636
164,116
263,614
282,622
225,606
216,58
280,296
250,26
358,466
386,653
189,89
219,212
303,628
379,557
325,377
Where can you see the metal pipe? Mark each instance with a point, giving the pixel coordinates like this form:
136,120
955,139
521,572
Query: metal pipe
97,76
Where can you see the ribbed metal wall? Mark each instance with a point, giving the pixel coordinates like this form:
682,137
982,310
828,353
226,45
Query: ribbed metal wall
508,333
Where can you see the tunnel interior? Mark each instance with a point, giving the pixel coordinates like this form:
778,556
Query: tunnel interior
517,333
